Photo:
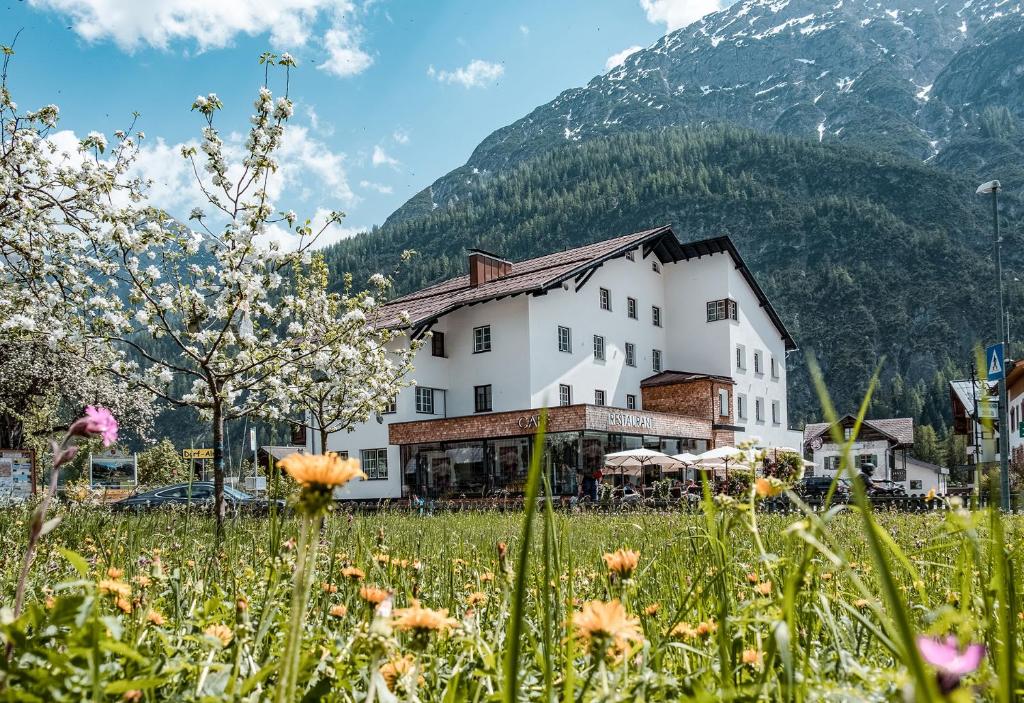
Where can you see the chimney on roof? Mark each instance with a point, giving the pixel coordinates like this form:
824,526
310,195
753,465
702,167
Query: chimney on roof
485,266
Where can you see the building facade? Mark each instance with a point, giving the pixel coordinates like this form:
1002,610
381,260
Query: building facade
886,444
635,341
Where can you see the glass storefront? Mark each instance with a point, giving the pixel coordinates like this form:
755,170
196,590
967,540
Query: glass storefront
489,467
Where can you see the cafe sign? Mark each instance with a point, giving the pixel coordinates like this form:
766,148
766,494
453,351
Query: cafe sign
620,419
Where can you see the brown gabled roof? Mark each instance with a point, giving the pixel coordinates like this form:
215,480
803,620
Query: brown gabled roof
667,378
541,274
899,429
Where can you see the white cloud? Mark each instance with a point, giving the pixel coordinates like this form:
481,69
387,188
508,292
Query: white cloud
317,123
335,232
381,158
524,30
617,59
330,25
475,74
678,13
400,136
344,55
379,187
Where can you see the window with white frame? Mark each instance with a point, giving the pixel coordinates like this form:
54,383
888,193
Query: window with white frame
424,400
757,362
599,397
741,406
630,354
741,358
631,255
631,308
564,339
759,409
481,339
392,406
656,360
564,394
656,316
375,464
776,412
832,463
598,348
723,402
630,401
847,433
605,297
775,368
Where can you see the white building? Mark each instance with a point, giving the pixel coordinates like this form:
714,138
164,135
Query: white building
885,444
635,341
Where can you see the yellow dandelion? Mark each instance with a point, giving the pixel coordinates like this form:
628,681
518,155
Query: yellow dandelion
116,588
476,598
325,470
154,617
599,620
420,620
123,604
764,588
328,587
768,487
115,573
338,611
752,657
351,572
861,603
652,609
395,669
221,633
486,577
622,562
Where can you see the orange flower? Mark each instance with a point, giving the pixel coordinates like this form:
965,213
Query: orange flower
338,611
486,577
396,669
652,609
768,487
112,587
606,621
703,629
861,603
476,598
351,572
752,657
132,696
764,588
373,596
219,632
622,562
123,604
421,620
115,573
328,587
155,617
325,470
752,577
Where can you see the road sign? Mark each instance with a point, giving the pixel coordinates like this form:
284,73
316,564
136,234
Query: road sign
995,362
197,453
988,411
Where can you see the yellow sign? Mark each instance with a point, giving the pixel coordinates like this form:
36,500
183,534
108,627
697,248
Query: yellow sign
197,453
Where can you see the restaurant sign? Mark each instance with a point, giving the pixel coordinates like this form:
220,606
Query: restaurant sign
620,419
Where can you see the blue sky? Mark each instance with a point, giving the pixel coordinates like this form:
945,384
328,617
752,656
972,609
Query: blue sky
390,94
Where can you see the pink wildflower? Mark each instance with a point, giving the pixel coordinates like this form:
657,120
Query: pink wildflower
98,421
951,664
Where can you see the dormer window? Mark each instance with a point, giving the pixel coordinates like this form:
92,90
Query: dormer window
631,255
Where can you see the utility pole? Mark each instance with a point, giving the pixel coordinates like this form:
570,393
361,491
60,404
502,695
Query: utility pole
1004,422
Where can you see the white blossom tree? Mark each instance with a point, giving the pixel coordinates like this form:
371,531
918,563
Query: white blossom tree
349,364
224,303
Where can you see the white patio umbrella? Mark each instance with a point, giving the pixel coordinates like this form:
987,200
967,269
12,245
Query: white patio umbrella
720,457
635,459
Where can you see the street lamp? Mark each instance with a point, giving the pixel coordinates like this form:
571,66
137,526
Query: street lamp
1004,423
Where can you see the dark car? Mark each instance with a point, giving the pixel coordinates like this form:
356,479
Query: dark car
198,494
817,487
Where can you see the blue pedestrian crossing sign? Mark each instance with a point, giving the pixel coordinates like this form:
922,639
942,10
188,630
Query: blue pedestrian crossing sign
996,362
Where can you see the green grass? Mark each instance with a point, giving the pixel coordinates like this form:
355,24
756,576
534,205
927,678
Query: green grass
828,626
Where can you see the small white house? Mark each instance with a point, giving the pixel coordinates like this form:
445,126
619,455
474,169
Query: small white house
886,444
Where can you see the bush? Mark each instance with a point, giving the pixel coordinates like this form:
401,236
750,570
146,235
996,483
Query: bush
162,464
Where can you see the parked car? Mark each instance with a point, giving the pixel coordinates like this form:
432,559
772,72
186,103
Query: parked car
198,494
817,487
886,488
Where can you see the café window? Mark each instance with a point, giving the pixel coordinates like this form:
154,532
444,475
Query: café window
599,398
723,402
741,406
724,309
424,400
482,398
631,308
598,347
564,394
630,401
656,315
630,354
656,360
776,412
564,339
481,339
375,464
606,298
437,344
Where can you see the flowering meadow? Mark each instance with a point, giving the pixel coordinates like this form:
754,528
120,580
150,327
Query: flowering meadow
656,606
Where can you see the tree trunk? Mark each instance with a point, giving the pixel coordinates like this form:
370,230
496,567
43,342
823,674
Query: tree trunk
218,463
323,440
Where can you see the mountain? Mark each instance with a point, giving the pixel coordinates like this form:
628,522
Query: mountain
839,144
935,81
